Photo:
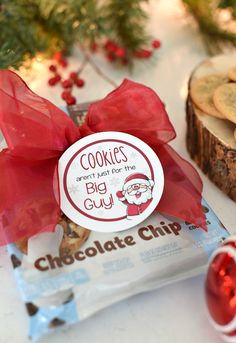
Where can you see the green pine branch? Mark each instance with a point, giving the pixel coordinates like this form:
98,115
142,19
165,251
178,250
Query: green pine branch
32,26
125,23
203,12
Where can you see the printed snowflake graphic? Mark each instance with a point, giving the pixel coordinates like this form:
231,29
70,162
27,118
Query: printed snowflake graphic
100,147
114,181
100,213
133,155
73,189
146,172
75,165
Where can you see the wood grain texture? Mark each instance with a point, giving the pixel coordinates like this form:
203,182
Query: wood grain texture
216,159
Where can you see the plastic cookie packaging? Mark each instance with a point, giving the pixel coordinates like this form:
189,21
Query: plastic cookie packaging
64,289
67,274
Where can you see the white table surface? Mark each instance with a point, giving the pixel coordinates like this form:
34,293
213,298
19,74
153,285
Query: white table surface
176,312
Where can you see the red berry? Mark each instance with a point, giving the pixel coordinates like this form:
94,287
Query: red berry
73,76
147,53
107,44
63,62
79,83
57,78
67,83
65,94
143,53
71,100
57,56
120,52
110,57
156,44
93,47
53,81
110,46
52,68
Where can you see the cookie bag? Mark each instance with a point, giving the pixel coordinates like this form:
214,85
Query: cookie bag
64,271
68,275
38,134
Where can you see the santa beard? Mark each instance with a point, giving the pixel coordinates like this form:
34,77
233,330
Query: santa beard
144,197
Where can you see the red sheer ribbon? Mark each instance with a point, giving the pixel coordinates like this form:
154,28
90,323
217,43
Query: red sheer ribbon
37,133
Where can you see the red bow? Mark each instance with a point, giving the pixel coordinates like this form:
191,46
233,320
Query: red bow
37,133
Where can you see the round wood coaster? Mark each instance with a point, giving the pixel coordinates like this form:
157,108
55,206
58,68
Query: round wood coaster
210,141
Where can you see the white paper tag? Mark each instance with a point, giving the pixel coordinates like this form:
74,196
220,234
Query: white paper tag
109,181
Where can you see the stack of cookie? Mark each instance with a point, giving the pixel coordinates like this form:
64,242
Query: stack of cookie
215,95
211,120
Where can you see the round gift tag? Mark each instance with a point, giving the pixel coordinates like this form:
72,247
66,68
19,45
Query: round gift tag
109,181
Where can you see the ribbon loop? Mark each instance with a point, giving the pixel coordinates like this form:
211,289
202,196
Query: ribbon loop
32,126
131,108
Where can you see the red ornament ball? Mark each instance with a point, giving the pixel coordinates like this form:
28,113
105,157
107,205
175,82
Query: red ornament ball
220,289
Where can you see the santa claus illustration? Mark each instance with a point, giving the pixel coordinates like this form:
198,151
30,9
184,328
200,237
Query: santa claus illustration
136,194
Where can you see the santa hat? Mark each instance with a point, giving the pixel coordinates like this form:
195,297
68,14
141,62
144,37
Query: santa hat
137,178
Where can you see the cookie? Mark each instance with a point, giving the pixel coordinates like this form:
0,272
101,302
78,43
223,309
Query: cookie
202,90
235,134
16,262
22,245
232,74
74,236
31,308
225,100
56,322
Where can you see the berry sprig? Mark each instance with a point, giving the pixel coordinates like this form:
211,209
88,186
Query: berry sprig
114,53
68,83
117,53
60,59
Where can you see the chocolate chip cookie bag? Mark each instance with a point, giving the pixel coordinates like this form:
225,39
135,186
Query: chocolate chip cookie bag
67,275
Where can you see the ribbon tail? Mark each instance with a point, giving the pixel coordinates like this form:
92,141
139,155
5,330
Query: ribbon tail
182,190
28,199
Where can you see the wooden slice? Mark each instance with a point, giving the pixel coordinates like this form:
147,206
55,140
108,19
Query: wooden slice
210,141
